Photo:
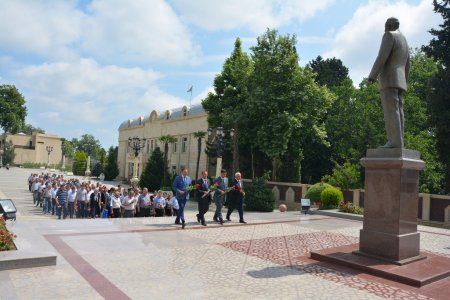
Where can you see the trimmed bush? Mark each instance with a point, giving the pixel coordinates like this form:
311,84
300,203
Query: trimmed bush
314,191
330,198
258,197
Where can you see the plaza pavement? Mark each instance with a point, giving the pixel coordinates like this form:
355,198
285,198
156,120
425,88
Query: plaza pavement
151,258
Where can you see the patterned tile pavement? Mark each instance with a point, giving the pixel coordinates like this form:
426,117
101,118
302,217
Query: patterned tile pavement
154,259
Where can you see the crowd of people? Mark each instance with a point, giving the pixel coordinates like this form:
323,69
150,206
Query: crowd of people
82,199
76,199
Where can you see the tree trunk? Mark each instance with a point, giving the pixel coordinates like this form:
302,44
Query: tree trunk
253,165
235,149
199,148
274,169
166,162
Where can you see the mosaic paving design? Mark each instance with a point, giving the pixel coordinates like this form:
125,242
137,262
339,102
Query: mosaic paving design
293,251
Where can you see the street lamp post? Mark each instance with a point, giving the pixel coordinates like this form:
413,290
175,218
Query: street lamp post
49,150
217,143
136,144
63,151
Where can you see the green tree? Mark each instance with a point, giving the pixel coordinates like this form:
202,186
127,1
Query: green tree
258,196
439,95
97,169
330,72
12,109
8,153
90,145
225,107
29,129
286,106
154,171
79,163
166,139
111,169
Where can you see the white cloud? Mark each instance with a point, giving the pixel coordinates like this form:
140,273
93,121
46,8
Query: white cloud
255,15
112,31
137,31
72,96
202,95
43,28
357,42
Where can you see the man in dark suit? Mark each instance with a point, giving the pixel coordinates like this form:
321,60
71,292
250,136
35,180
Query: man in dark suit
203,197
220,194
392,69
180,186
237,198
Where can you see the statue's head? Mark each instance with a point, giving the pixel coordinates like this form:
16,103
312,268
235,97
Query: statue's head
391,24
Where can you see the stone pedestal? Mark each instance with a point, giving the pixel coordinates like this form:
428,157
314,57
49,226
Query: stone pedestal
390,205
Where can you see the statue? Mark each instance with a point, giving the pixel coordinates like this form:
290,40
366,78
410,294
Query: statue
392,68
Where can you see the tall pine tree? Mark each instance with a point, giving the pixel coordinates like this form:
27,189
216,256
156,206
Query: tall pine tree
439,95
111,169
153,174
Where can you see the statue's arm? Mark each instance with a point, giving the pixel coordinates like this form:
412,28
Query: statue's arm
407,68
383,54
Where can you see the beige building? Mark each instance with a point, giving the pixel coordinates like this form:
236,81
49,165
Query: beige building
33,148
181,122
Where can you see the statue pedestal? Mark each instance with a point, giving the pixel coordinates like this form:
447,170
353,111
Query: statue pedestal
390,205
389,242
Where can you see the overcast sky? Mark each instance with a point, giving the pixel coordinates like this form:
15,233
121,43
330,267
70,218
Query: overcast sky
86,66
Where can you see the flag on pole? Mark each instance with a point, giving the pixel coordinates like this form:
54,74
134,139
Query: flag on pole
190,89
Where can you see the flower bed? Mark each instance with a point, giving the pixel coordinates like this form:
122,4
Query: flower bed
6,237
349,207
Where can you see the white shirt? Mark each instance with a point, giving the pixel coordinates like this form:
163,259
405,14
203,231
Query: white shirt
129,203
115,202
174,203
71,195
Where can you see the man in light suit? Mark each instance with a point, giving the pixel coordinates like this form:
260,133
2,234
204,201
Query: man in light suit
220,194
392,69
237,198
180,185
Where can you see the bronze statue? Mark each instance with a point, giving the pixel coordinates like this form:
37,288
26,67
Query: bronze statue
392,69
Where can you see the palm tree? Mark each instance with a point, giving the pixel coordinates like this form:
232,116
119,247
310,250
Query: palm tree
199,135
166,139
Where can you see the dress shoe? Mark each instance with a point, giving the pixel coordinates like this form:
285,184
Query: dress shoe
242,221
228,219
204,224
221,221
183,224
198,218
178,222
215,220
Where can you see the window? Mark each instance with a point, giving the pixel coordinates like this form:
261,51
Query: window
30,144
148,147
184,145
151,145
174,147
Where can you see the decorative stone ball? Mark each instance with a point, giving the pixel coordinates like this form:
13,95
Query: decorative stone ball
282,208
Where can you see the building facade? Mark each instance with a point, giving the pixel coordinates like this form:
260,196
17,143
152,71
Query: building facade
181,123
33,148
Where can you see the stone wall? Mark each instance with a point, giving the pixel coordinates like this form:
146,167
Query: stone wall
434,208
